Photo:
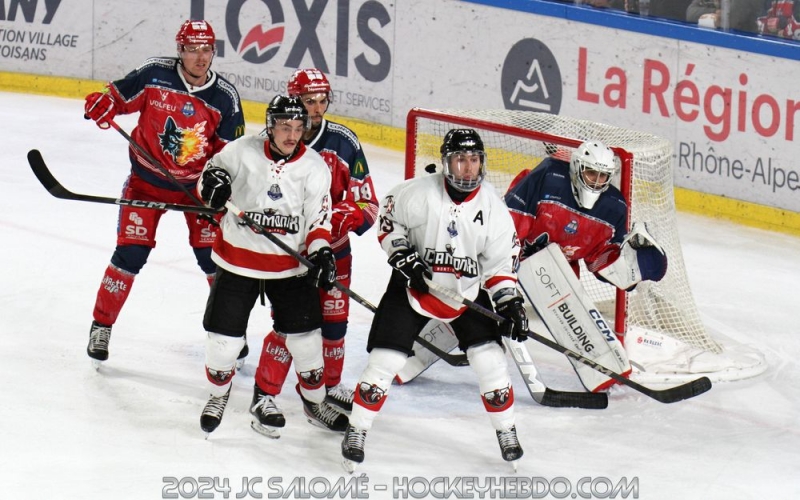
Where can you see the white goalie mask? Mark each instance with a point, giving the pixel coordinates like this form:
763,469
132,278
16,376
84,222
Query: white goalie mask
591,168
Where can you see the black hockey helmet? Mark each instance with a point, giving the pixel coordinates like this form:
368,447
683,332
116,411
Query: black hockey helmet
461,142
283,107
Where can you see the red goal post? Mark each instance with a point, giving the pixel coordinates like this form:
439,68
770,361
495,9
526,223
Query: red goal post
659,322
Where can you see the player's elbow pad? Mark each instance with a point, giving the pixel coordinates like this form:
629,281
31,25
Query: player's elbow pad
634,266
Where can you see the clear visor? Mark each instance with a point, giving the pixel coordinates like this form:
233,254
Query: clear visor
198,49
465,169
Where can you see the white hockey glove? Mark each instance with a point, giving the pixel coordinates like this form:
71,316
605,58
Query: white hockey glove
641,259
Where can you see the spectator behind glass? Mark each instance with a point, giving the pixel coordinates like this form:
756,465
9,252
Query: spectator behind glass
781,19
743,14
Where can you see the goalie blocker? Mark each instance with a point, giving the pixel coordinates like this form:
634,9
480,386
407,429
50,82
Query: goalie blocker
571,317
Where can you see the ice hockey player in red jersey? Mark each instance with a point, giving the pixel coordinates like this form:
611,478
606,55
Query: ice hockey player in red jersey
449,229
355,208
573,203
187,113
285,187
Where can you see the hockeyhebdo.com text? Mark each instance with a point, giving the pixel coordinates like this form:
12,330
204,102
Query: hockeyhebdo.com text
361,487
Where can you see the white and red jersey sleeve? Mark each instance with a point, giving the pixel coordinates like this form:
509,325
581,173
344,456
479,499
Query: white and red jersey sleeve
466,245
291,200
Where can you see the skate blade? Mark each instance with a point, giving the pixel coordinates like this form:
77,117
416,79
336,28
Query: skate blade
349,465
96,364
265,430
240,364
513,465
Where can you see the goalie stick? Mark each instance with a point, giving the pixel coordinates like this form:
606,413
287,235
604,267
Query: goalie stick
55,188
670,395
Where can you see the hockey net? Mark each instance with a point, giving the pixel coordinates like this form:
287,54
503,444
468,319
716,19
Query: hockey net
663,334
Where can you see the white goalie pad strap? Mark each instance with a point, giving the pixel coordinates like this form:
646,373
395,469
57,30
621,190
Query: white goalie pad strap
571,317
437,333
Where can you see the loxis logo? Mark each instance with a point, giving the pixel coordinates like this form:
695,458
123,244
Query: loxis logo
257,31
531,79
259,43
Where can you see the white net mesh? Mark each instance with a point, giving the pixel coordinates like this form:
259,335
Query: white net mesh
518,140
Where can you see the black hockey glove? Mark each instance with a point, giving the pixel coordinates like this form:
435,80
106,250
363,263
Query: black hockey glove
410,265
323,274
516,321
216,187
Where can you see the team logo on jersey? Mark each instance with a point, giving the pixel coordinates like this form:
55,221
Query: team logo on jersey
572,227
183,145
446,262
188,109
451,229
273,222
389,207
274,192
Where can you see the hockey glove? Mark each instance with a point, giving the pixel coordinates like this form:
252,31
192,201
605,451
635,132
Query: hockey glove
410,265
323,274
216,187
650,256
100,108
345,217
516,321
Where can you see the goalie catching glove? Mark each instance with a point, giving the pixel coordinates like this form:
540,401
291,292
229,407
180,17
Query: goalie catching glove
323,274
641,258
410,265
216,188
509,305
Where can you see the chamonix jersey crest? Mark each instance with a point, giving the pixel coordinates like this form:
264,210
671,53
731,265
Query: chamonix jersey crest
466,245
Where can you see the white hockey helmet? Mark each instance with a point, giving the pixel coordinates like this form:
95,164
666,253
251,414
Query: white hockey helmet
591,168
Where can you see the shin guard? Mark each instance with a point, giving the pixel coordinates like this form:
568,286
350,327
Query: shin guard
333,355
112,294
274,364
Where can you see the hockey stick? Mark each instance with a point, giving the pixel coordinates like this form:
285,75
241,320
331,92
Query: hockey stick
670,395
55,188
451,359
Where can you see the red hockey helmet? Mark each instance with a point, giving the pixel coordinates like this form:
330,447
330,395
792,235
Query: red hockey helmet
195,33
308,81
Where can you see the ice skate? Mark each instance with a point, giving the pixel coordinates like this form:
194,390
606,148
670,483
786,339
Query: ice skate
268,418
353,448
212,413
323,415
340,396
99,337
509,446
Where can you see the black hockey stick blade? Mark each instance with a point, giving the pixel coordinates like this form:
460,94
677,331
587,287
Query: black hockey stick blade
566,399
450,359
55,188
670,395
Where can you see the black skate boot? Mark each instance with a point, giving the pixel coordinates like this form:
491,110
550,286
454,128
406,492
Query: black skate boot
323,414
509,445
99,337
353,448
268,417
212,413
340,396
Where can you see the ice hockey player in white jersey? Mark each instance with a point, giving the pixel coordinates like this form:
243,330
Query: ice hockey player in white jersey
285,188
449,229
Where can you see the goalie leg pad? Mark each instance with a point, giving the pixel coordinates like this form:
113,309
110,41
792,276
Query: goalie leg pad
437,333
571,317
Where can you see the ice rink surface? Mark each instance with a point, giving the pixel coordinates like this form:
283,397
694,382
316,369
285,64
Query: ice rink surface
69,432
